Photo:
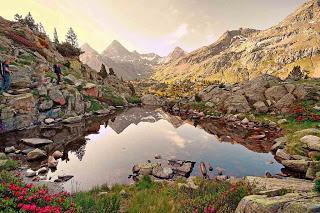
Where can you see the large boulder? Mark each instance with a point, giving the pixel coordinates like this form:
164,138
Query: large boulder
313,169
24,103
151,100
36,141
214,94
312,142
285,103
71,79
162,172
296,165
275,93
36,154
300,92
21,77
236,103
56,95
260,107
91,90
291,202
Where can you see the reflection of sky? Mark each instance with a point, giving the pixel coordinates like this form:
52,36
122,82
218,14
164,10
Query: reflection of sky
109,156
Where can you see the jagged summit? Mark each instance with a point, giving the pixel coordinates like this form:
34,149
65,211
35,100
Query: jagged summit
115,49
87,48
177,53
247,53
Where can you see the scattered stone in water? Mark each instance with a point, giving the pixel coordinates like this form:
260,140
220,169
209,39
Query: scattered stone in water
182,168
30,173
135,169
157,156
270,162
36,141
36,154
220,170
9,149
149,161
42,170
65,178
203,170
268,175
210,167
162,172
52,162
222,177
57,154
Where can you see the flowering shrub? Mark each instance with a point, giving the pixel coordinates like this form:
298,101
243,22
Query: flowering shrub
303,112
18,196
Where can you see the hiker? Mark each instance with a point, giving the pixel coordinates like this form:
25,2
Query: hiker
5,75
57,71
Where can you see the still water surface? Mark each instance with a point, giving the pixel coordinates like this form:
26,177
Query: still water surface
138,134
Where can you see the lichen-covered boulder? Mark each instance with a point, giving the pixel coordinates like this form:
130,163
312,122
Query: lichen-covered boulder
236,103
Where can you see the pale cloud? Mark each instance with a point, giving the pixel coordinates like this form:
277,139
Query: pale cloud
153,25
176,139
177,35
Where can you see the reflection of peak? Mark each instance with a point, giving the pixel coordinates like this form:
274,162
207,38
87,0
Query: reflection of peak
137,115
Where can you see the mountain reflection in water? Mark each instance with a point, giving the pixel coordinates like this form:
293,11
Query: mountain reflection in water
103,150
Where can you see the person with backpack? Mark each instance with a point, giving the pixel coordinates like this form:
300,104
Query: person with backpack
57,71
1,79
6,75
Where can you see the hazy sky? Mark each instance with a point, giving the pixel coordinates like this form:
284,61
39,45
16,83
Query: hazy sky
151,25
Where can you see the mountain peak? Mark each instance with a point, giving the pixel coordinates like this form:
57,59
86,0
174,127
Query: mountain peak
87,48
115,49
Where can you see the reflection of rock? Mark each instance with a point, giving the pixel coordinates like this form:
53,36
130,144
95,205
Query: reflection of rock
251,138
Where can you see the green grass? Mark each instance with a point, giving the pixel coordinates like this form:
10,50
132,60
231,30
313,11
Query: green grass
108,95
95,104
148,196
317,185
9,165
134,100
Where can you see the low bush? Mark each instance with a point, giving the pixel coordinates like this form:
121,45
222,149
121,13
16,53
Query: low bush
67,50
16,196
134,100
317,185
